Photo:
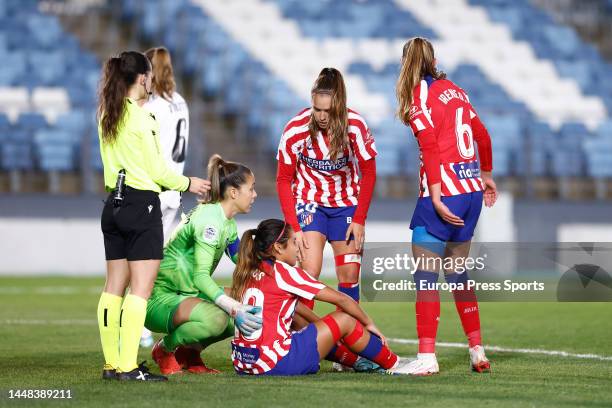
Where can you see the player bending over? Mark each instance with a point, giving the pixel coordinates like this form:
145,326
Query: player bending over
451,193
187,303
264,277
320,155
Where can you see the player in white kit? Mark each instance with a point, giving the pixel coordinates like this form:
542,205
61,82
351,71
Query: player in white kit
172,114
170,110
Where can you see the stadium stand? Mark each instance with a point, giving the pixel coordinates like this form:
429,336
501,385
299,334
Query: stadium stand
47,93
544,93
515,85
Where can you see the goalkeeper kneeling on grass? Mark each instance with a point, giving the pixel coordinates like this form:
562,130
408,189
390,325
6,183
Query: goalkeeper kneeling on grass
187,303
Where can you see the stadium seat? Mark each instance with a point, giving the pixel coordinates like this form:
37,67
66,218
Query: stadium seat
16,156
73,122
47,66
45,29
31,122
4,122
568,163
50,101
14,100
55,150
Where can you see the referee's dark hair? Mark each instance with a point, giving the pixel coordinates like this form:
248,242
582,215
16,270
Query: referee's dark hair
223,174
119,74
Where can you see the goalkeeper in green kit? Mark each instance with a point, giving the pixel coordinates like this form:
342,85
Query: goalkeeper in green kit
186,302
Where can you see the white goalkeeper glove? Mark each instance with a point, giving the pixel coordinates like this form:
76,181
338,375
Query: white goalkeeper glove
245,316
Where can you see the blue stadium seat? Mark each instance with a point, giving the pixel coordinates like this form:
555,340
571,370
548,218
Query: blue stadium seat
572,136
506,130
74,123
501,162
45,29
598,151
568,163
55,150
605,129
48,66
31,121
4,123
14,67
15,155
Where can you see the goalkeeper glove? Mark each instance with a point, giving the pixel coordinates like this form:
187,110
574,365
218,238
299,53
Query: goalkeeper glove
245,316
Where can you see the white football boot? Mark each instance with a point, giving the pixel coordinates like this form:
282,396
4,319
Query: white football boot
478,360
425,364
341,368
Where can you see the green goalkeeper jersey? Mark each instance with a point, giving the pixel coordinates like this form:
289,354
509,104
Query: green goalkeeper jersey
194,250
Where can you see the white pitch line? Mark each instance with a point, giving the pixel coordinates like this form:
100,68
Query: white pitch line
556,353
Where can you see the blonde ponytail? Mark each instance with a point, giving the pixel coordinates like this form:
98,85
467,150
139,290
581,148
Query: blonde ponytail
418,60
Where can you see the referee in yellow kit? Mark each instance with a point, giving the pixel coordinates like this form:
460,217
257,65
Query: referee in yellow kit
135,172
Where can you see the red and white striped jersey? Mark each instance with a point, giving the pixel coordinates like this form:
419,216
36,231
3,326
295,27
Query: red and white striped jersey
443,107
276,288
329,183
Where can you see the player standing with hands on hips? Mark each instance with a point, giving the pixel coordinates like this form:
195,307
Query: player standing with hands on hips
170,110
452,187
321,151
134,172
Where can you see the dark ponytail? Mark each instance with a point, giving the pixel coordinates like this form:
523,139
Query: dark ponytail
119,74
256,246
330,82
223,174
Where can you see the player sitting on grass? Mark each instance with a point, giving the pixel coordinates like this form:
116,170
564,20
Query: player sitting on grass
264,277
187,303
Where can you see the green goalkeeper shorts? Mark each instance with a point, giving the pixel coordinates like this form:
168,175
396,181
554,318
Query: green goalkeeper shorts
161,308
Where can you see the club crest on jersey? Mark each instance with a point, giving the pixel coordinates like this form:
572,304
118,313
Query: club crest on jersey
210,234
306,219
414,111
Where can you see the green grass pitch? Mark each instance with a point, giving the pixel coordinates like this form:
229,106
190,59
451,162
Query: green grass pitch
50,341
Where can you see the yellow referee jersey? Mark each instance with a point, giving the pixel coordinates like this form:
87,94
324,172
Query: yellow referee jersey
136,149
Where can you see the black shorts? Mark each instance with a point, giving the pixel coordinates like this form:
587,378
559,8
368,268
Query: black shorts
134,230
